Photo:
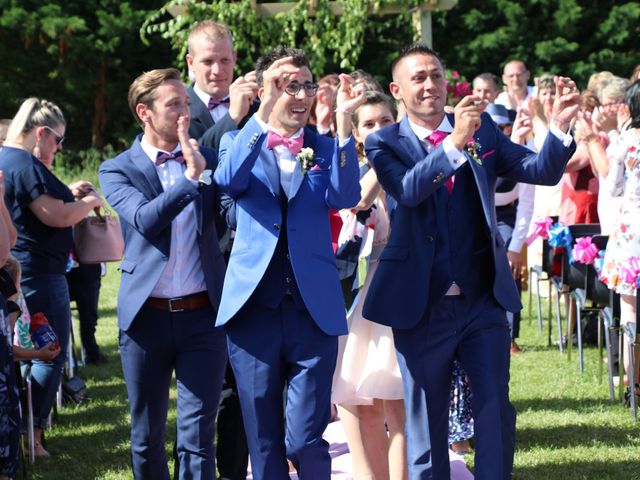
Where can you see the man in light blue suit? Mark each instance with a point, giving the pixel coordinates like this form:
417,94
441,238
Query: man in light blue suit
443,282
172,275
282,305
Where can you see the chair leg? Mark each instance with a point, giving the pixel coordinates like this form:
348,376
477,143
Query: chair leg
600,350
539,304
30,425
559,319
579,334
530,298
608,328
630,334
570,317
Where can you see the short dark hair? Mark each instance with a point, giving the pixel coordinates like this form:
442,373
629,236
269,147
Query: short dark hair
489,78
298,59
414,49
632,100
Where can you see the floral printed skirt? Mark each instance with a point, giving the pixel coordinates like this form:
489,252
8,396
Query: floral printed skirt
624,244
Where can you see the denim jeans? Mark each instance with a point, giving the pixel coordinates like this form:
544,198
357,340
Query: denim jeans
49,294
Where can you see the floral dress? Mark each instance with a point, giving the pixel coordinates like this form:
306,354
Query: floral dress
624,243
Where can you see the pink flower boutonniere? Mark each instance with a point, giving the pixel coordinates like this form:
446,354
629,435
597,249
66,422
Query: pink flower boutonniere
307,159
472,148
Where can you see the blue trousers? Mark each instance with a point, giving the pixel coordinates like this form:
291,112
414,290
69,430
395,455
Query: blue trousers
477,334
157,344
283,350
49,294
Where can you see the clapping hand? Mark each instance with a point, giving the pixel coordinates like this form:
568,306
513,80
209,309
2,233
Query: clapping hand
522,127
349,97
193,159
242,93
566,103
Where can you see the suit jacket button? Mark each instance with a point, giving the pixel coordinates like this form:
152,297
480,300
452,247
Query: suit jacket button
288,279
276,226
429,238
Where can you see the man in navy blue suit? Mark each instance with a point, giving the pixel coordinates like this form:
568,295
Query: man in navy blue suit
172,276
443,282
282,304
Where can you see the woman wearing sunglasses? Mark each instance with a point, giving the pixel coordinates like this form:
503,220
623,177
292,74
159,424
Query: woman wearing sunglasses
43,210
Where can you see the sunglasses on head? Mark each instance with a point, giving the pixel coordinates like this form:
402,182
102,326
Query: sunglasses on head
59,138
310,89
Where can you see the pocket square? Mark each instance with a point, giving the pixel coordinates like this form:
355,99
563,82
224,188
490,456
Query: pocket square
487,154
314,168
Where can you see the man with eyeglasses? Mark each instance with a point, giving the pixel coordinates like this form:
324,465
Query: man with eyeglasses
282,304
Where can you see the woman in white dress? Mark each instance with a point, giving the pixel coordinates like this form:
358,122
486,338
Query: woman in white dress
623,180
367,381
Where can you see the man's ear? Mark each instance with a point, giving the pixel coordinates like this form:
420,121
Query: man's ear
189,59
394,88
260,93
143,112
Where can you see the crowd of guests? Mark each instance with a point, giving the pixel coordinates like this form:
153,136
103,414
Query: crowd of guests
278,180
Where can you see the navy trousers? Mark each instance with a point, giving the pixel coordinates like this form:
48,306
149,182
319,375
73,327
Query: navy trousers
477,334
283,350
157,344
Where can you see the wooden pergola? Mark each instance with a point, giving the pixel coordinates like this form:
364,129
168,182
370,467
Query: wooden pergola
421,14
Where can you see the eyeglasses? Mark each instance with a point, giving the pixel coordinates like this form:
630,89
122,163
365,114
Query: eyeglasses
310,89
59,138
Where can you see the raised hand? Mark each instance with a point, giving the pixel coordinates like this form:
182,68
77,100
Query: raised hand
274,80
349,97
242,93
566,103
467,119
522,127
193,159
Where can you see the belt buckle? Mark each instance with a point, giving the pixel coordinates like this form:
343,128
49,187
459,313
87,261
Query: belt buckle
175,310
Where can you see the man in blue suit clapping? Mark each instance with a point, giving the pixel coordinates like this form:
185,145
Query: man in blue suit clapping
281,304
443,281
172,275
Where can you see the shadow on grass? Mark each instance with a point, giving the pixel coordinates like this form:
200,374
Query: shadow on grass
566,436
593,470
583,405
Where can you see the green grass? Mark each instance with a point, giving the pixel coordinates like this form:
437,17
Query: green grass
567,429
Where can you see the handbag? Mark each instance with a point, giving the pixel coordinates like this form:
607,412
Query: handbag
74,390
98,239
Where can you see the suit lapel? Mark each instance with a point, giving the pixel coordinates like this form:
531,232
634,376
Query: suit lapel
147,169
267,170
199,110
410,142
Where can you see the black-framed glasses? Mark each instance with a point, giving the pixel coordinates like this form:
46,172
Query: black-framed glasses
310,89
59,138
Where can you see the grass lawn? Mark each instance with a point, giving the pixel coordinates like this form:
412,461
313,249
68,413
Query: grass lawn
567,429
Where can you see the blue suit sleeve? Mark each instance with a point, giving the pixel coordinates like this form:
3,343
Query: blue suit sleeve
149,217
344,186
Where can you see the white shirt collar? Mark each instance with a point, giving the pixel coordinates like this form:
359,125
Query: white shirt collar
151,151
205,97
422,132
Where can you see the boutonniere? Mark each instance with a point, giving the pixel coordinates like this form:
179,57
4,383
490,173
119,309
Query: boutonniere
472,148
307,159
205,177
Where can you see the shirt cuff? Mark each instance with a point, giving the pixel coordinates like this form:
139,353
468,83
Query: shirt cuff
342,143
263,126
515,245
191,180
456,157
565,138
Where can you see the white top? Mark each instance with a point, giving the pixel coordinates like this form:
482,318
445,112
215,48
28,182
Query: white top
183,273
504,98
525,194
456,157
216,113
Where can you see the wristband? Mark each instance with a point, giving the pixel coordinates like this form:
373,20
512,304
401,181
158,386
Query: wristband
342,110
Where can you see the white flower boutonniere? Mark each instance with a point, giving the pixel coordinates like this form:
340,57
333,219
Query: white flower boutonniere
307,159
472,148
205,177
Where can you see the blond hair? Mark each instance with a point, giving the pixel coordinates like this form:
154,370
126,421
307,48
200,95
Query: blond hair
212,31
34,113
597,79
613,88
143,89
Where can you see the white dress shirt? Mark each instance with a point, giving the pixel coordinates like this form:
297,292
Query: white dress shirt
216,113
183,273
456,157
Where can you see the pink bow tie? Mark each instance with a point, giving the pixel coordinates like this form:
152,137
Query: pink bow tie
162,157
214,102
294,145
436,137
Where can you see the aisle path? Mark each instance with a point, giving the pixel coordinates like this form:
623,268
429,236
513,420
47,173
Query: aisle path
341,458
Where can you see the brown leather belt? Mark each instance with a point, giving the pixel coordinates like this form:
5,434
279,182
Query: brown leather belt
180,304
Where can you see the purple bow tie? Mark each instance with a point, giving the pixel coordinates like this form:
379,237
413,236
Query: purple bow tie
214,102
436,137
162,157
294,145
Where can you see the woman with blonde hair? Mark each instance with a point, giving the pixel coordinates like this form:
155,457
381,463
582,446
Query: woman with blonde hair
43,210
